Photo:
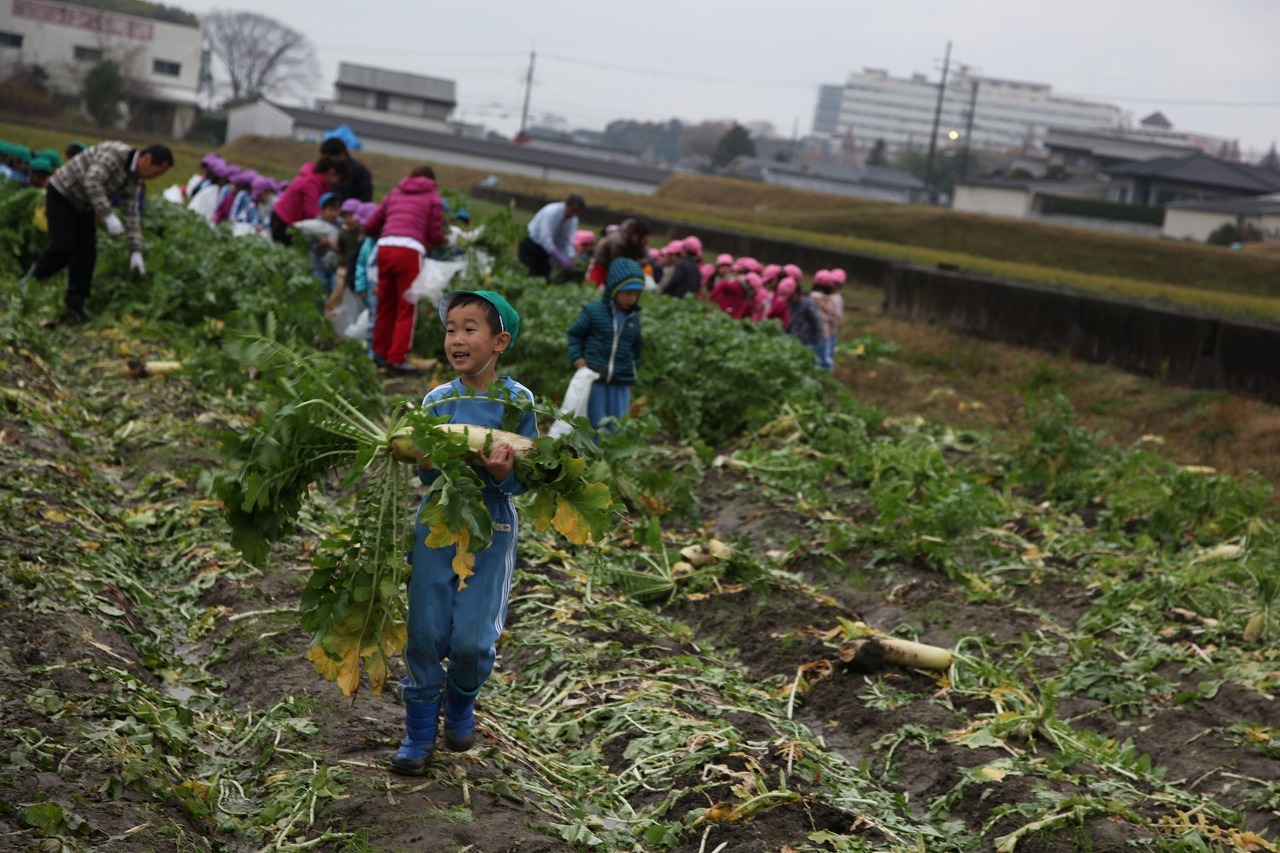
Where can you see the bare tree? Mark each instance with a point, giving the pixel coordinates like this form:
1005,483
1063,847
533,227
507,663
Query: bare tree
259,54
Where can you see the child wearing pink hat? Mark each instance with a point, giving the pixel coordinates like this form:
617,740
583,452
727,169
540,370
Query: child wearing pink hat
684,278
830,307
779,307
806,321
734,295
724,270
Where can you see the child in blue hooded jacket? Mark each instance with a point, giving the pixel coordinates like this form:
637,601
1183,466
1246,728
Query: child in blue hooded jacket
606,338
446,620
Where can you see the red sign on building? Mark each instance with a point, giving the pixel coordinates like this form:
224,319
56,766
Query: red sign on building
84,19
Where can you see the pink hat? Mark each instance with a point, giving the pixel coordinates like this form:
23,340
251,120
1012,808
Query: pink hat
793,271
722,260
707,271
822,277
692,245
654,254
351,205
675,247
753,279
839,276
365,211
786,287
771,272
583,238
742,265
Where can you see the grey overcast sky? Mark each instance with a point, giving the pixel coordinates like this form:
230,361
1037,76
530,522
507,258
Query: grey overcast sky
1211,66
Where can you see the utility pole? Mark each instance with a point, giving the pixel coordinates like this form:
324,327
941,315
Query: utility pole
937,117
968,126
523,135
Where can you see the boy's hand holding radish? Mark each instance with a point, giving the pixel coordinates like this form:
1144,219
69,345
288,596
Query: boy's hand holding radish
500,463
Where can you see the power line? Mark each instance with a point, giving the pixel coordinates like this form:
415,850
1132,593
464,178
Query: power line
681,75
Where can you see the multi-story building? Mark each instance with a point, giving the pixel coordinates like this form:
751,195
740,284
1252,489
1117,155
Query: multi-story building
158,49
393,97
1007,114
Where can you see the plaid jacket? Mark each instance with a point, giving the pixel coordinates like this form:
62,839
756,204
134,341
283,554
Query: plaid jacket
100,171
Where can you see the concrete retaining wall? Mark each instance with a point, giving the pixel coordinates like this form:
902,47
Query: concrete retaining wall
1191,349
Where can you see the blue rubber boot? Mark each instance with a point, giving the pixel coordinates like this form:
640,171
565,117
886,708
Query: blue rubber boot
459,720
419,744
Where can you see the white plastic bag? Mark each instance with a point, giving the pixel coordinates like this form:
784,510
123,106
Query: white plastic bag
346,312
432,279
174,194
575,400
205,202
316,229
358,330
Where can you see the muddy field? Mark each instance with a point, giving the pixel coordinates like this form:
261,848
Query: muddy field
157,696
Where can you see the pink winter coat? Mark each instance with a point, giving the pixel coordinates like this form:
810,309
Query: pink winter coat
301,199
734,296
413,209
781,299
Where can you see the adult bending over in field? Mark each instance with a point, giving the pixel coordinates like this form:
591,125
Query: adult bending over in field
77,196
407,225
359,180
301,199
629,241
551,237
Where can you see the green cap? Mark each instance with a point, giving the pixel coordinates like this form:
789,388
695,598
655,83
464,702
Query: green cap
21,153
52,156
41,164
507,316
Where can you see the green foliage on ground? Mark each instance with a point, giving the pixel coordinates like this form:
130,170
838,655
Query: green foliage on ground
617,730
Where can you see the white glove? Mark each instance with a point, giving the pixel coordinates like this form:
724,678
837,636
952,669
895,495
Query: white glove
114,227
136,264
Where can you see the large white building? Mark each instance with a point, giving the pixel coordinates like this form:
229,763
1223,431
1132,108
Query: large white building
1007,114
158,49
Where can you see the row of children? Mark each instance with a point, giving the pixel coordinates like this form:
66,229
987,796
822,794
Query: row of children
224,192
31,168
742,287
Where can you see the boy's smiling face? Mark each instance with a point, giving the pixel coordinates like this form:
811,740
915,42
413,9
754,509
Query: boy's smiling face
470,341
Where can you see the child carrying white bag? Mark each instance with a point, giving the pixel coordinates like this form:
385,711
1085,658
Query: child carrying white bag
575,400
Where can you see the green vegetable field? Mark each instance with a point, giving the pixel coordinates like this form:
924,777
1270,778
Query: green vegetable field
685,680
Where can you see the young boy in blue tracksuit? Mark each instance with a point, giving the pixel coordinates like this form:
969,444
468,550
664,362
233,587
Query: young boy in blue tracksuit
445,622
606,337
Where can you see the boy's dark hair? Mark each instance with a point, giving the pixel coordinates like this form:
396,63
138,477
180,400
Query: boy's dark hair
329,164
160,154
423,172
333,147
576,200
73,149
490,313
640,227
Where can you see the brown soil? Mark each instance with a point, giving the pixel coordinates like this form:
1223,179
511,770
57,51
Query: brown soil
261,659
